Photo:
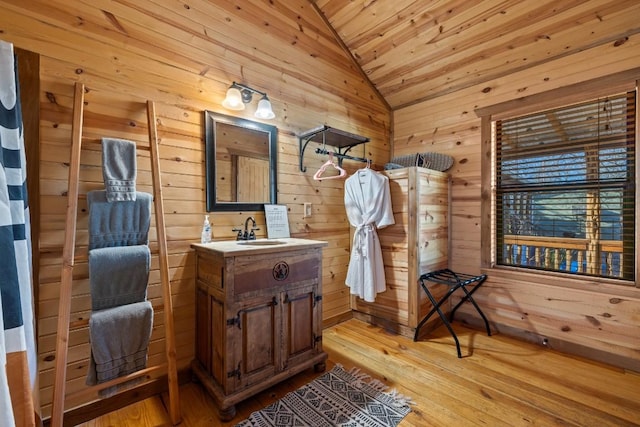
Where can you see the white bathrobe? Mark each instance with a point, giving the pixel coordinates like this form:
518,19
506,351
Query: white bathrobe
368,203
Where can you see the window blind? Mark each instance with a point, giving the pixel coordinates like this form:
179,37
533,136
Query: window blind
565,181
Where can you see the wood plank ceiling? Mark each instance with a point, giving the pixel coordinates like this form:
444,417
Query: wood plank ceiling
414,50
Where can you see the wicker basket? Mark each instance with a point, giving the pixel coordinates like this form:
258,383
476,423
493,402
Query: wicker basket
436,161
408,160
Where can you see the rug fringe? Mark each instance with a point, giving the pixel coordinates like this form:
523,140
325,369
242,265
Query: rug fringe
400,399
362,378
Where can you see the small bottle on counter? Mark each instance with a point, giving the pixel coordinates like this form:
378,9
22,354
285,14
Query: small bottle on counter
206,231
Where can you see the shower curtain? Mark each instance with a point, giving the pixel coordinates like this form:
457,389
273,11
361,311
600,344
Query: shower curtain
18,371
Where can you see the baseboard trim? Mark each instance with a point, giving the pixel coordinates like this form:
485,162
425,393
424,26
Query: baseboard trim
555,343
332,321
397,328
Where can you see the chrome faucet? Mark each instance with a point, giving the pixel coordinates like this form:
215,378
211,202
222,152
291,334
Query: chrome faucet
246,234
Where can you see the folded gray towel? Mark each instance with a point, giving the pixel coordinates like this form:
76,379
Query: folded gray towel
119,169
118,275
119,341
118,224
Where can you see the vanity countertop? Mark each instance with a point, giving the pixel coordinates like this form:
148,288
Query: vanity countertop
229,248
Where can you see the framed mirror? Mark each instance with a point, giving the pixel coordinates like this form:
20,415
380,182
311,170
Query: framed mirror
241,163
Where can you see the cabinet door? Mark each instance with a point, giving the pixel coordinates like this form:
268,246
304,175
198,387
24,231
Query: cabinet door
253,333
301,332
210,338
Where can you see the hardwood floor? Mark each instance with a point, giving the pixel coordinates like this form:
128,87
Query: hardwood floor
499,381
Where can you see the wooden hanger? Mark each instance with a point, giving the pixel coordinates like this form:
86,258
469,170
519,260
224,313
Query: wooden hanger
318,175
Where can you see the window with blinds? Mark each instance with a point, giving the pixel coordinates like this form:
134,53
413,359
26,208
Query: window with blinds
565,189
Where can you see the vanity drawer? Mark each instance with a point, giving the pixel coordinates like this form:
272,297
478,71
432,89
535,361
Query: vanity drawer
255,273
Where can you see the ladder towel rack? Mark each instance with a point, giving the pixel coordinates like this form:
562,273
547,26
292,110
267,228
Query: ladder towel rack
68,262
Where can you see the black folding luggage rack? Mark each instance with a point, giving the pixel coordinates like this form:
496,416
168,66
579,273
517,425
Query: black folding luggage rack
454,281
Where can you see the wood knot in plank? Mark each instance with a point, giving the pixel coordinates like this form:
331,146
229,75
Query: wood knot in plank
620,42
114,21
51,97
593,320
485,393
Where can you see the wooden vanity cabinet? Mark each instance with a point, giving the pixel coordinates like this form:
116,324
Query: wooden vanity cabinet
258,320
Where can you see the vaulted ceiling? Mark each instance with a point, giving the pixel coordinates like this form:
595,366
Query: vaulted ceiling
413,50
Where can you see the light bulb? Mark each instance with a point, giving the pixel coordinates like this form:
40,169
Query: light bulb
264,110
233,101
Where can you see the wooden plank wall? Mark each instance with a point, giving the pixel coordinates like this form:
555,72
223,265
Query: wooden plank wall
184,57
595,320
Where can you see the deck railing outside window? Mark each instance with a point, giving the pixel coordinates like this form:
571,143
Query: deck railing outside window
563,255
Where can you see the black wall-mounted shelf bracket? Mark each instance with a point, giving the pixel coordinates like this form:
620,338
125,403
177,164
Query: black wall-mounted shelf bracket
326,135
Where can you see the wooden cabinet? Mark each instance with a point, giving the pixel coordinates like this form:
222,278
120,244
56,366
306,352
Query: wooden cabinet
417,243
258,316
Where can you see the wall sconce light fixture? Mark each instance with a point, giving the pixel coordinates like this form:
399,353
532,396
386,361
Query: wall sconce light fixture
238,95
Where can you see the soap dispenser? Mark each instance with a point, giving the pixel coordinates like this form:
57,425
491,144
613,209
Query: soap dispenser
206,231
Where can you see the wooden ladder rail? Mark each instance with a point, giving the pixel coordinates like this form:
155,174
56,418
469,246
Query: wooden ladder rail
62,340
170,343
68,254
